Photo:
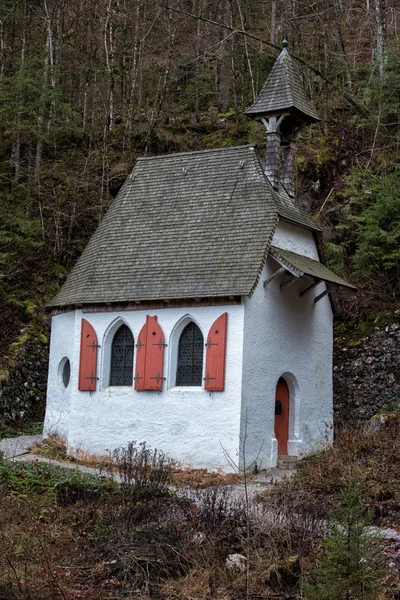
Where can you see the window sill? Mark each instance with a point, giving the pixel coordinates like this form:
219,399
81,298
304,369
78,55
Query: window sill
186,388
118,387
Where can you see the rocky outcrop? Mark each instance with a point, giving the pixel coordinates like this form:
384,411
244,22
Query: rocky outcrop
23,388
366,374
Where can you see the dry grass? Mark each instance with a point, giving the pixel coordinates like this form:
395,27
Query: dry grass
370,455
54,448
201,478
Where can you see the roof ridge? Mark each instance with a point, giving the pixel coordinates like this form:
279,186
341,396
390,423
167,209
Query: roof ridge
173,154
273,247
286,61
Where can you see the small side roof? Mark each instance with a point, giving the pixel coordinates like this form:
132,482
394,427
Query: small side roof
300,265
282,91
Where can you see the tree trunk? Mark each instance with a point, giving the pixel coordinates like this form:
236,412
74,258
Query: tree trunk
379,34
41,120
224,59
273,22
162,87
16,146
247,51
109,54
50,50
198,45
134,73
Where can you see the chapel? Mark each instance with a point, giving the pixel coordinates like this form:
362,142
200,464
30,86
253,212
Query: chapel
199,317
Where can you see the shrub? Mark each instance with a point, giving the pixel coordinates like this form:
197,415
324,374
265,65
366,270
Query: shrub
290,522
76,486
142,556
222,519
144,472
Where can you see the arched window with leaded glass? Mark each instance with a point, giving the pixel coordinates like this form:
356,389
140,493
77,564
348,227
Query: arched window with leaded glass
121,368
190,356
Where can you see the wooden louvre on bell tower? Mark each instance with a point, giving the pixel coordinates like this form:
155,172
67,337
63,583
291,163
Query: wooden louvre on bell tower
282,107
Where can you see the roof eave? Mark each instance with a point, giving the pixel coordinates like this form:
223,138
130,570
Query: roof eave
292,261
298,224
103,306
302,116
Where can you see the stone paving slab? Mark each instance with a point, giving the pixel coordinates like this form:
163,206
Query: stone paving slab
12,447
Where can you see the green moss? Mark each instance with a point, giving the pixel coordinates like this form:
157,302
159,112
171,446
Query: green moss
357,327
52,483
232,114
355,343
36,330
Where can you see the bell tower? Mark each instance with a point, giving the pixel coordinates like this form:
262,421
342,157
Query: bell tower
282,107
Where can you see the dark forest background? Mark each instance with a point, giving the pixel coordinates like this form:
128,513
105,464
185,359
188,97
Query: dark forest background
86,86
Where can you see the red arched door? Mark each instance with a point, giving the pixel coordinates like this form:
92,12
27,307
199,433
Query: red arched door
282,416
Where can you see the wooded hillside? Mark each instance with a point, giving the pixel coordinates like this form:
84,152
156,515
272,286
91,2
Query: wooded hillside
88,85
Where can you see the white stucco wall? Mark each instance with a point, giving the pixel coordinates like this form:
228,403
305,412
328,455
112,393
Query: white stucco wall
189,423
62,345
291,337
295,239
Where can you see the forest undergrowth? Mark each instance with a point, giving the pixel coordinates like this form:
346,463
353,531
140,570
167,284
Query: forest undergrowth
66,534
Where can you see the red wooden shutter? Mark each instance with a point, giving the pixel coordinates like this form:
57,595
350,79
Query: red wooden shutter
154,355
215,355
88,358
149,356
141,358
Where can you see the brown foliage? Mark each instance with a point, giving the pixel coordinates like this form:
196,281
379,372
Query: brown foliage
368,454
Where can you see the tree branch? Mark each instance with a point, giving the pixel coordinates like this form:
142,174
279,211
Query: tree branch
355,104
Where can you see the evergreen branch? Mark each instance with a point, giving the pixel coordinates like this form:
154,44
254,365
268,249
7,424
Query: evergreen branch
308,65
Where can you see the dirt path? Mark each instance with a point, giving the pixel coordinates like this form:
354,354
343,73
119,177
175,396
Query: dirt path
17,449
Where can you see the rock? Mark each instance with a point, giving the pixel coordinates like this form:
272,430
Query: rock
366,379
387,533
199,538
23,392
236,562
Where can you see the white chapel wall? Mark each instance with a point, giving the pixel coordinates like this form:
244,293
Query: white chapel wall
62,346
292,337
188,423
295,239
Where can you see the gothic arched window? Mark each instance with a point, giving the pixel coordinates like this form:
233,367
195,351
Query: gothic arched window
190,356
121,368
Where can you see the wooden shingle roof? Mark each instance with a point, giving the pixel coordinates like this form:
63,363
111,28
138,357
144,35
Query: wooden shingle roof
288,209
302,265
195,224
283,91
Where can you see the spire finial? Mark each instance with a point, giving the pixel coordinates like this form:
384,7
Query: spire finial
285,43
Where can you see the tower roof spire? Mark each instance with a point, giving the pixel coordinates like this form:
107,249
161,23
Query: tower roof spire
283,91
